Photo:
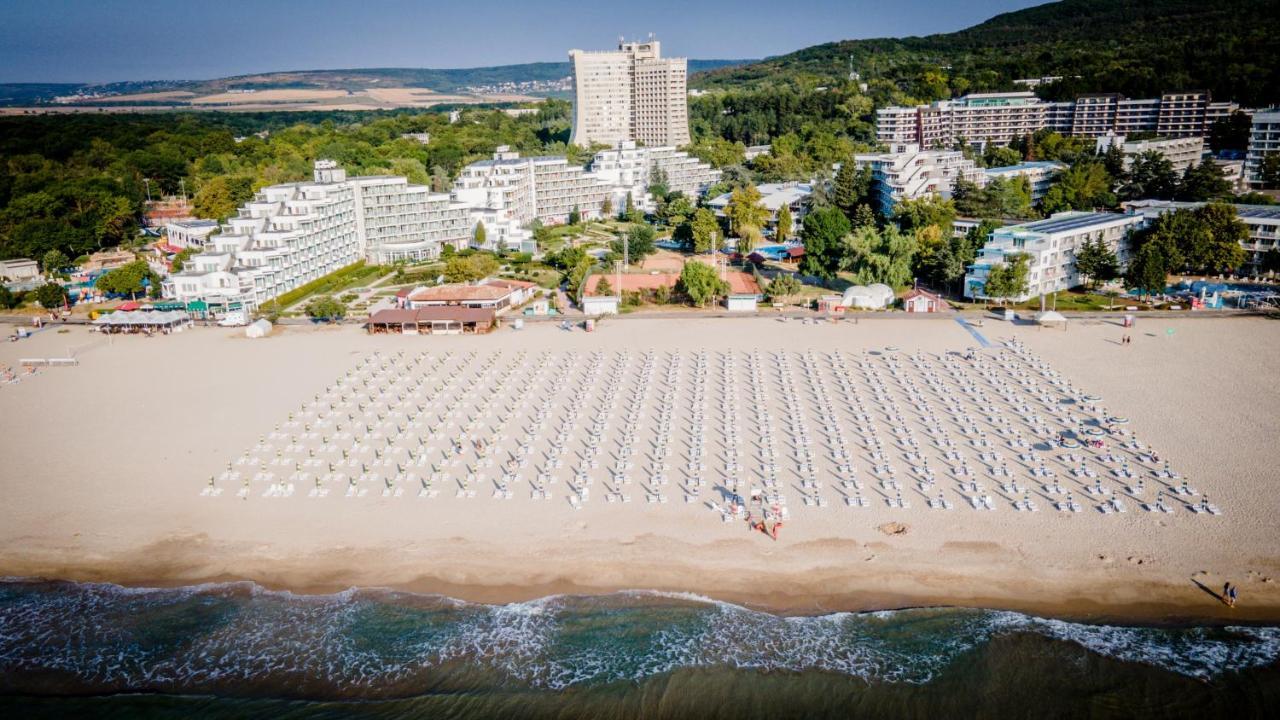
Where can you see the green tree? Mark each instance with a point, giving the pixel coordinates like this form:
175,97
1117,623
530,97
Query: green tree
630,213
54,261
1150,176
851,189
1095,261
823,232
606,207
181,257
675,209
480,236
783,286
1008,279
575,217
943,267
1225,236
219,196
1084,186
129,279
469,268
917,213
883,256
783,231
1000,156
327,308
51,296
704,229
8,299
700,283
641,242
864,216
1147,272
1203,182
744,210
603,287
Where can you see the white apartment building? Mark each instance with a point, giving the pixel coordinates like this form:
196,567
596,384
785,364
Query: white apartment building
981,118
500,233
291,234
522,190
1263,222
632,93
1264,140
633,169
184,234
1040,175
773,196
1051,245
1181,152
907,172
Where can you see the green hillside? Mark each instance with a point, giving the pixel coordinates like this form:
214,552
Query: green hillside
1137,47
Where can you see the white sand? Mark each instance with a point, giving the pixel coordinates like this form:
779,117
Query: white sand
104,464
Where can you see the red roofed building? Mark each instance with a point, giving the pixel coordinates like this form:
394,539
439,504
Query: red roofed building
919,300
485,297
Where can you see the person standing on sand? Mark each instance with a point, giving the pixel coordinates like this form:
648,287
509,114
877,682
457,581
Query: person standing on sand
1231,597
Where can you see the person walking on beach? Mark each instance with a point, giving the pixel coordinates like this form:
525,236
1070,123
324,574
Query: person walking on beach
1231,596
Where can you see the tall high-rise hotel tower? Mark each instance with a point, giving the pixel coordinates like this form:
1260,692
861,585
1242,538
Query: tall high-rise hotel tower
632,93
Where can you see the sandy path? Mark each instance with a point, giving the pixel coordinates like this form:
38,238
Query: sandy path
104,464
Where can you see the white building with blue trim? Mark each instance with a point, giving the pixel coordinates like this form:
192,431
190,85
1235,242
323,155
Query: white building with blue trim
1050,245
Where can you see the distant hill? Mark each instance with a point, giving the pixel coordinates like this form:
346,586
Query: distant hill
1137,47
538,79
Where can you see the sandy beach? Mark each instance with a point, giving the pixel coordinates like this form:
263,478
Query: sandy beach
104,463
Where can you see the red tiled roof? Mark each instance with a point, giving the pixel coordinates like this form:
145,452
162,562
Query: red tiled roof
512,284
460,293
795,252
917,292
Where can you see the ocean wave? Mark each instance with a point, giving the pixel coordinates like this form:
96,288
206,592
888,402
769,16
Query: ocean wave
216,636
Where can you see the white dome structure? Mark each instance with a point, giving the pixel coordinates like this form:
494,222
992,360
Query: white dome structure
884,292
867,297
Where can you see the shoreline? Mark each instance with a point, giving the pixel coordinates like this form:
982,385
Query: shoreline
1167,604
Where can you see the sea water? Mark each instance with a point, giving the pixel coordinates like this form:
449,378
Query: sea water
237,650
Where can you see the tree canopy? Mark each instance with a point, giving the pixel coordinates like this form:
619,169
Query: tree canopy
700,283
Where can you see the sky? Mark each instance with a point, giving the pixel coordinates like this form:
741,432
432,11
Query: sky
111,40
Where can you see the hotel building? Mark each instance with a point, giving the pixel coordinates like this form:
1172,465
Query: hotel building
635,168
1051,246
1040,175
908,172
522,190
632,93
1264,140
981,118
1181,152
291,234
1263,222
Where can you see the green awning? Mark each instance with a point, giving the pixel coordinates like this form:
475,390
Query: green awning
168,306
197,306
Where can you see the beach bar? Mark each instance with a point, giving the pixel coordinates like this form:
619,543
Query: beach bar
434,320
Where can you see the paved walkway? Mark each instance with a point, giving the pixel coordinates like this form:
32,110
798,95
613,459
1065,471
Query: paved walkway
982,340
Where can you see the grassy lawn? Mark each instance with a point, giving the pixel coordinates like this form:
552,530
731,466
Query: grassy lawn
1074,301
354,275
